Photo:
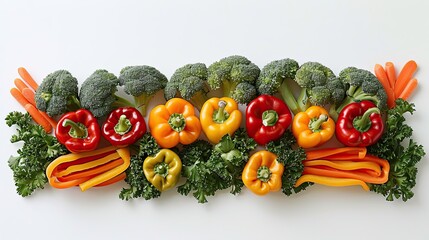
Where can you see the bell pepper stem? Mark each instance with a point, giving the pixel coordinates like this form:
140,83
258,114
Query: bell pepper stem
123,126
220,115
315,123
77,130
161,169
177,122
264,173
363,123
270,118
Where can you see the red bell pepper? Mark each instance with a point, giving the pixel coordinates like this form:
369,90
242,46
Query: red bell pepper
124,126
267,118
359,124
78,131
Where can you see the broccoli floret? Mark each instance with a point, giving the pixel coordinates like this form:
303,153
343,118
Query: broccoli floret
142,82
275,77
317,84
361,85
58,93
190,83
97,93
228,73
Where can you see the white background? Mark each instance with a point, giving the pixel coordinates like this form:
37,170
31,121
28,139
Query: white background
82,36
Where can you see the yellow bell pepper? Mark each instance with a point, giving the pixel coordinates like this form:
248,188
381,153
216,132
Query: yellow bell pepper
163,169
262,173
220,116
174,123
313,127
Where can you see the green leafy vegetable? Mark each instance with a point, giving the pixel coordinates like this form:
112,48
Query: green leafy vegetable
403,153
292,161
38,151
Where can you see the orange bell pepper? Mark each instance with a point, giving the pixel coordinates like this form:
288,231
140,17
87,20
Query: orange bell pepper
220,116
313,127
174,123
262,173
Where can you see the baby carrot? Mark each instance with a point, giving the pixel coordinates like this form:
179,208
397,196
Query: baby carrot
405,76
27,78
19,84
383,79
391,74
19,97
29,95
408,89
38,118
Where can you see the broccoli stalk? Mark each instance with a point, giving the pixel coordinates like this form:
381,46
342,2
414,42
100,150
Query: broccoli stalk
142,82
236,76
58,94
190,83
97,93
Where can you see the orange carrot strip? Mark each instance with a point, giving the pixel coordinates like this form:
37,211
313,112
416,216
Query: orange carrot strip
391,74
116,179
27,78
93,171
409,89
49,119
20,84
359,152
384,80
29,95
38,118
19,97
405,76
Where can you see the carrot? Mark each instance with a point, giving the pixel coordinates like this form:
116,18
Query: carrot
116,179
27,78
384,80
49,119
38,118
359,152
391,74
405,76
408,89
29,95
19,97
20,84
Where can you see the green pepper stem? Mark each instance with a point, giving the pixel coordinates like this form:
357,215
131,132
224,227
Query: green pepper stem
161,169
270,118
363,123
123,126
220,115
315,123
77,130
177,122
263,173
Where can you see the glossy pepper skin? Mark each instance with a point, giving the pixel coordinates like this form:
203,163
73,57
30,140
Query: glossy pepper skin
267,118
174,123
359,124
220,116
163,169
78,131
313,127
124,126
262,173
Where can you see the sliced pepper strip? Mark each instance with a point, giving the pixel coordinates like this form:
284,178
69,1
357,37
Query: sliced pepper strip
220,116
93,171
331,181
358,152
345,165
87,165
124,153
262,173
111,181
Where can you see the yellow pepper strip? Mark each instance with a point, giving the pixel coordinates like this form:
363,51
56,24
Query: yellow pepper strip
331,181
174,123
163,169
346,153
313,127
88,165
345,165
124,153
220,116
262,173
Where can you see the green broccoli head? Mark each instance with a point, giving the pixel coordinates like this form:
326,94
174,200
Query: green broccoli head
274,74
190,83
97,93
362,85
229,72
58,93
244,93
142,82
337,90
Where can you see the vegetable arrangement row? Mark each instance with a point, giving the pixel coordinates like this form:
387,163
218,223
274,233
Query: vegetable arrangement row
281,148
